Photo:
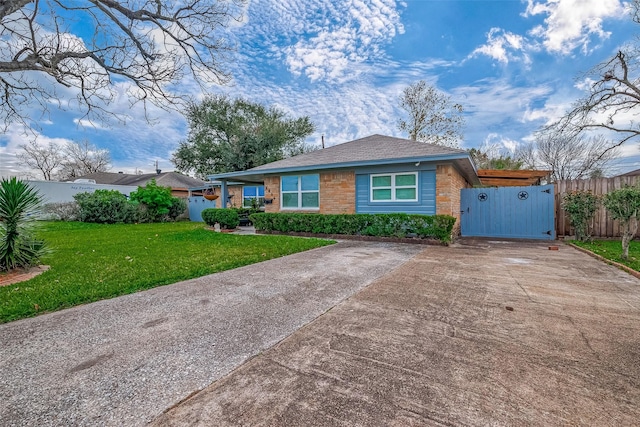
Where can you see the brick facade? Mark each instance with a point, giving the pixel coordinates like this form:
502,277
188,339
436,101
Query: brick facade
272,191
337,193
449,182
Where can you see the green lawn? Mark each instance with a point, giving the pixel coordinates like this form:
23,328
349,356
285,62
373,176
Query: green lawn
90,262
612,250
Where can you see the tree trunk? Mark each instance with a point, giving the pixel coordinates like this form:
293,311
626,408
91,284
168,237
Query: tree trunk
630,230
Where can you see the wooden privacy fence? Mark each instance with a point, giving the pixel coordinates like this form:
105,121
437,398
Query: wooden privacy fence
603,224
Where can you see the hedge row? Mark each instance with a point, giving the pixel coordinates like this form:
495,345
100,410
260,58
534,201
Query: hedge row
382,225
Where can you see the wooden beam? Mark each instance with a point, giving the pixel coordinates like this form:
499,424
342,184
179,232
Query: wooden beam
498,173
508,182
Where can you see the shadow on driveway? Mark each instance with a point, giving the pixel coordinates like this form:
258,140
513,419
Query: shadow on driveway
481,333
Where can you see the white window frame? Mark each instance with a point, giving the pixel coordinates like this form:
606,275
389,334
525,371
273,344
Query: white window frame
393,187
299,192
260,198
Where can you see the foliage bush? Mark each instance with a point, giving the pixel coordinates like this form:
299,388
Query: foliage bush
624,205
157,203
581,207
20,205
63,211
226,217
177,208
106,207
383,225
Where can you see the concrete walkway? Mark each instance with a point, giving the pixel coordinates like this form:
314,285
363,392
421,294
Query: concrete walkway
122,362
485,333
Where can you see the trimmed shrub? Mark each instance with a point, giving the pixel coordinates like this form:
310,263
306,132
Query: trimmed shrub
227,218
106,207
624,205
177,208
63,211
382,225
581,207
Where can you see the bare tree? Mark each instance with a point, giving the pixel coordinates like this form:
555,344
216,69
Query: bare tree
568,153
613,97
152,44
46,159
432,116
82,159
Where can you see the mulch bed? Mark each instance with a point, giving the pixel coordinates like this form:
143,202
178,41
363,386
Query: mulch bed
414,240
21,275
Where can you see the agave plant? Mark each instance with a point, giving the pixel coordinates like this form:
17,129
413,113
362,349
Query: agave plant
19,207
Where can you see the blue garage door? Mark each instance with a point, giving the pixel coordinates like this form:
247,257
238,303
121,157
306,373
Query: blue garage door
509,212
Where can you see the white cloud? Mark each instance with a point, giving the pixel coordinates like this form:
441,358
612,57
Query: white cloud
325,40
503,46
571,24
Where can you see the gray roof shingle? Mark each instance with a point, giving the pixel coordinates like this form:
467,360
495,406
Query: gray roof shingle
369,149
164,179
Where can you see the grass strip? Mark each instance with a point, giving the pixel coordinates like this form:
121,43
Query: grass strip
612,250
91,262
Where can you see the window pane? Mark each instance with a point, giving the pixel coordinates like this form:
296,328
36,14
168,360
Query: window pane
247,203
310,182
289,200
405,194
382,181
289,183
310,200
382,194
261,191
249,191
405,180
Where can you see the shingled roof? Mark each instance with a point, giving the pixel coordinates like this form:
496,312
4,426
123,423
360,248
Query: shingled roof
371,150
164,179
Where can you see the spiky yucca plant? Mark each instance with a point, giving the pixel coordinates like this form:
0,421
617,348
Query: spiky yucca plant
19,206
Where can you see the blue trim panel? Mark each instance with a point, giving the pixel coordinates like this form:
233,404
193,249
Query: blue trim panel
426,203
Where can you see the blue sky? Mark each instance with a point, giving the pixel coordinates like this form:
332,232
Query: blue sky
514,66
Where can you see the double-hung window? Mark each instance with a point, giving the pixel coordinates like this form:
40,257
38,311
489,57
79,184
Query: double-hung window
394,187
251,193
300,192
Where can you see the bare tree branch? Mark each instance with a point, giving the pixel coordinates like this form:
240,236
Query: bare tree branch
152,44
612,100
568,153
46,159
432,117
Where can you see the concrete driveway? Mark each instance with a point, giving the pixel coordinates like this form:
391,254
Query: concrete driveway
122,362
483,333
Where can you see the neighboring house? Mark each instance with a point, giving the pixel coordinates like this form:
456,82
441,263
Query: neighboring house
632,173
178,183
376,174
63,192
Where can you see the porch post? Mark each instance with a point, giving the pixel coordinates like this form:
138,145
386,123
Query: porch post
225,193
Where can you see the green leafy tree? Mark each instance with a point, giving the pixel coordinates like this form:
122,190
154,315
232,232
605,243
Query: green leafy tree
431,116
624,205
19,206
581,207
227,135
157,202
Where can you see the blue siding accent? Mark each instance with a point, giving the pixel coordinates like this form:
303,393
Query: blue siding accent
197,204
506,212
426,203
